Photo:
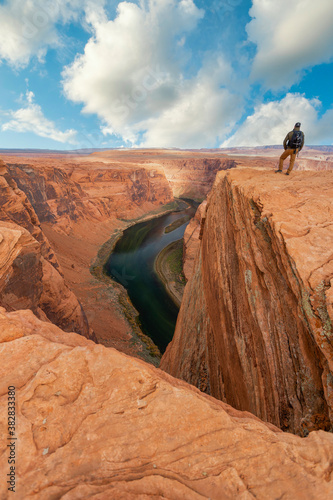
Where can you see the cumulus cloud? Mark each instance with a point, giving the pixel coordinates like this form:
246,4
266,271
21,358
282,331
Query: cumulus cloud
28,27
270,122
131,76
290,36
203,113
30,118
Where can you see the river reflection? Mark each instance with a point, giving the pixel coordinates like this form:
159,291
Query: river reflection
132,265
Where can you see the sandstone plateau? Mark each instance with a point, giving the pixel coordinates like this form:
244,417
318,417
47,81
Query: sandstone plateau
255,325
95,423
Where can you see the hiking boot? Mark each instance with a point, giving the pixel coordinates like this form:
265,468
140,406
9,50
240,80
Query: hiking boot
278,171
287,173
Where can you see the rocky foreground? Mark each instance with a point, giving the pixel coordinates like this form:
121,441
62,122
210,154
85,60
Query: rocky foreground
255,325
94,423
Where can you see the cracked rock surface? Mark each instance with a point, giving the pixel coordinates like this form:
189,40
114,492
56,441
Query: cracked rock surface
95,423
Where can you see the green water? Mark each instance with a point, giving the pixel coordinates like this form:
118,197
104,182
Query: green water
132,264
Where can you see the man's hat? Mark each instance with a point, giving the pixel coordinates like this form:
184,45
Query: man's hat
297,124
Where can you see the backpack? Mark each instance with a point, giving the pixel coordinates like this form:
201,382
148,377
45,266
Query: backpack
296,140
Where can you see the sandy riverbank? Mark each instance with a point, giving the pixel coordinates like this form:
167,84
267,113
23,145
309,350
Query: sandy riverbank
168,266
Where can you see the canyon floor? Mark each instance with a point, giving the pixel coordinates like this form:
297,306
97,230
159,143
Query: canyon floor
98,423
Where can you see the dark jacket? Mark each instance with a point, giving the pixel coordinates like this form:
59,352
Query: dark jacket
289,137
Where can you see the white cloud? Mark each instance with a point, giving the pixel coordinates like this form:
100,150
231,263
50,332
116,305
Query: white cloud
202,114
30,118
270,123
28,27
130,75
290,36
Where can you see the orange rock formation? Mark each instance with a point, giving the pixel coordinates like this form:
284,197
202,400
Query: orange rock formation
64,192
255,325
190,173
82,202
30,275
255,329
192,236
95,423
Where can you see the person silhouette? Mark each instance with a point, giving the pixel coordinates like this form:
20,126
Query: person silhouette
293,143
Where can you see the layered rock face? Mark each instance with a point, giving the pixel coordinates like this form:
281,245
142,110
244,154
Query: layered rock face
325,164
95,423
82,203
64,193
255,326
190,174
15,207
192,236
30,275
193,178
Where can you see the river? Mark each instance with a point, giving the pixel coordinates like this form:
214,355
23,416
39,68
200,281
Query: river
132,264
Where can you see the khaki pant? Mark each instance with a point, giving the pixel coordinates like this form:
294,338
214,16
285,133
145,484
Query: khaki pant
288,152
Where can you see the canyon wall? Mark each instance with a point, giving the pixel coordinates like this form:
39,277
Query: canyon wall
255,325
325,164
84,204
15,207
30,275
95,423
189,173
192,236
254,329
193,177
65,192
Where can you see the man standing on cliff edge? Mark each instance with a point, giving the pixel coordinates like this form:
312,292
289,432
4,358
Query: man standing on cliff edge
293,143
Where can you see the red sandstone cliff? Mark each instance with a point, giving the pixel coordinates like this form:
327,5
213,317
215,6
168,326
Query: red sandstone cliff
95,423
30,275
193,177
15,207
255,325
189,173
192,236
64,193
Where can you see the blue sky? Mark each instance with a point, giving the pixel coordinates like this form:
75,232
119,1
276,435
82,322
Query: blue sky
164,73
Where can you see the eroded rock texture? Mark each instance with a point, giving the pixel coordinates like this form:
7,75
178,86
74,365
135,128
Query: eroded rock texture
190,174
64,193
82,202
192,236
255,326
193,177
15,207
29,281
95,423
30,276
